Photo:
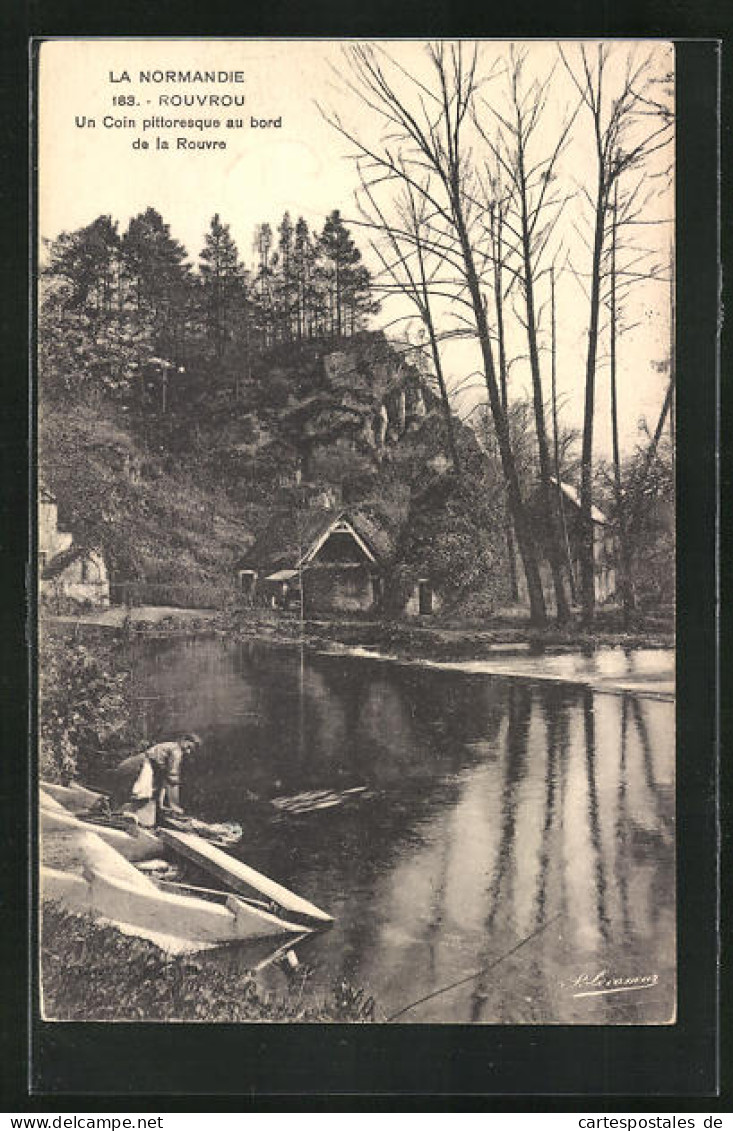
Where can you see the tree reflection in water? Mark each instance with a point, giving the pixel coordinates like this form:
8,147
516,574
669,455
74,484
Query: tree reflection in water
494,805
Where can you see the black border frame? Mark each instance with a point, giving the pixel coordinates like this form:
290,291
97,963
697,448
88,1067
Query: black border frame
88,1066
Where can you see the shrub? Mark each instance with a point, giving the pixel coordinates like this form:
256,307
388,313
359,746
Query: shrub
84,721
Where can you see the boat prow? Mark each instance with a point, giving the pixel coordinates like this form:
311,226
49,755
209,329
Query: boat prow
239,876
134,844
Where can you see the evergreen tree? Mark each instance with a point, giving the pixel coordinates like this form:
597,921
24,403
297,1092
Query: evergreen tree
88,261
159,278
89,343
287,283
222,283
357,298
264,304
303,270
347,280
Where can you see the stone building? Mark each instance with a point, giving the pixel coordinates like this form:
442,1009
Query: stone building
339,557
67,571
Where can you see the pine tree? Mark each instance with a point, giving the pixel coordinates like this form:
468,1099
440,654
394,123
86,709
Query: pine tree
88,261
89,342
264,298
303,265
222,283
347,280
287,285
159,276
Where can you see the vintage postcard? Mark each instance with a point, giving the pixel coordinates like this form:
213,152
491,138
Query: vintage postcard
356,529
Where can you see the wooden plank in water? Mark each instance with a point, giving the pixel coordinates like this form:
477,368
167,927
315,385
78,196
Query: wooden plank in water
316,799
238,875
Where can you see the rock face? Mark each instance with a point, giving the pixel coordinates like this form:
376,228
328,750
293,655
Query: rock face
387,396
314,405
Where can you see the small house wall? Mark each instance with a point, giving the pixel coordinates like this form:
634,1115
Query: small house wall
84,580
247,586
605,583
338,589
604,568
51,540
412,605
274,594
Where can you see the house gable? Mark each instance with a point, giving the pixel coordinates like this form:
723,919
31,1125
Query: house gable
341,530
571,494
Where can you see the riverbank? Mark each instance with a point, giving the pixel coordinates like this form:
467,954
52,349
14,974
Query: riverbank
95,973
450,640
141,618
439,639
640,665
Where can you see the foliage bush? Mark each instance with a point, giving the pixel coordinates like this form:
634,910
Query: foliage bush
85,721
454,535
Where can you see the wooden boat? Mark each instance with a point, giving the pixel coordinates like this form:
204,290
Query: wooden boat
239,876
74,798
112,889
134,842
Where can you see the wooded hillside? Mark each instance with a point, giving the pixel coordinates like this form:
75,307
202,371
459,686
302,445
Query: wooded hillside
180,407
183,404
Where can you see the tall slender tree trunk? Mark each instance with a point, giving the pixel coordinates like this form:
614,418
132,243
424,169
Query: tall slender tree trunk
338,302
625,581
556,438
547,496
587,557
527,549
498,248
427,317
444,399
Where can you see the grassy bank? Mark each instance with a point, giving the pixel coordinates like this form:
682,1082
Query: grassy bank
90,972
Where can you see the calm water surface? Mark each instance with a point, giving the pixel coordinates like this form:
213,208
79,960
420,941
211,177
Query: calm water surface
498,808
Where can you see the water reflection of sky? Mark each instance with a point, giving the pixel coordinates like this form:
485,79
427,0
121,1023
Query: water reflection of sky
497,808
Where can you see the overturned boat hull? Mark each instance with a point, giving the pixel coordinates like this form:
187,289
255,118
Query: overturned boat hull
74,798
58,822
112,889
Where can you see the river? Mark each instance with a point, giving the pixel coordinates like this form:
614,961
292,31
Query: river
499,808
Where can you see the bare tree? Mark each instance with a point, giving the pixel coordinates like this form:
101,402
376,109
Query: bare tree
501,251
625,579
623,142
534,207
556,440
427,124
411,263
627,265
